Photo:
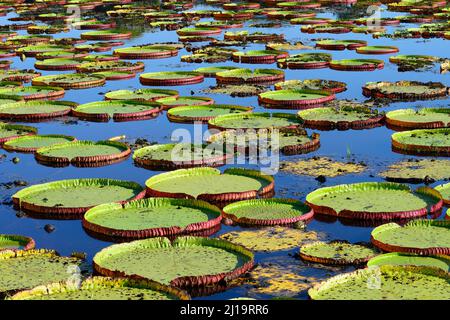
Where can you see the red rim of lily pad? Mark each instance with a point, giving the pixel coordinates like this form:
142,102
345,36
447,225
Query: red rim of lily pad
264,98
56,93
191,119
90,35
366,65
405,124
417,149
8,147
70,65
377,49
164,51
375,90
120,234
37,116
233,77
186,78
271,56
28,131
341,45
28,242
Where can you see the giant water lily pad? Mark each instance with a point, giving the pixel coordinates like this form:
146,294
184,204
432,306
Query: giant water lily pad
185,262
337,253
312,84
102,66
245,90
152,217
119,110
15,242
376,49
34,142
405,90
212,71
409,259
340,44
374,201
35,110
425,118
210,185
385,283
248,76
267,212
70,80
294,98
271,239
170,102
35,267
342,118
180,155
75,196
357,64
35,92
416,171
12,131
321,166
203,113
105,35
57,64
140,94
413,62
103,288
171,78
422,142
424,237
257,120
83,153
33,50
146,52
444,190
306,61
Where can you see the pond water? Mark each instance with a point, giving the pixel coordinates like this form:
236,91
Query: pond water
372,146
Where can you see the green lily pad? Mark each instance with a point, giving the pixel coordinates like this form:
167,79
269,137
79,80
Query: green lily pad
102,66
312,84
31,110
140,94
385,283
146,52
419,119
305,61
257,120
171,78
422,141
47,267
340,44
117,109
33,92
33,50
406,259
70,80
337,253
170,102
374,200
418,170
377,49
15,242
294,98
182,262
203,113
32,143
105,35
444,190
247,76
356,64
321,166
57,64
405,90
270,239
12,131
212,71
102,288
424,237
151,217
413,62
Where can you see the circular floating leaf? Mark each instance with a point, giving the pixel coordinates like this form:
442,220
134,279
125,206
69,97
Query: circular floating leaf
312,84
47,267
68,198
170,102
422,142
35,110
343,118
83,153
141,94
116,75
271,238
340,44
306,61
294,98
191,114
102,66
321,166
146,52
337,253
417,171
33,50
210,185
413,62
259,56
30,144
377,49
407,259
211,72
170,78
105,35
267,212
185,262
385,283
245,90
58,64
119,110
102,288
12,131
152,217
444,190
199,31
70,81
257,120
404,90
247,76
357,64
14,242
425,118
35,92
374,201
423,237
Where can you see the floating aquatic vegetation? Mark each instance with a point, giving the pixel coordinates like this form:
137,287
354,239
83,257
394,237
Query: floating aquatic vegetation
321,166
70,81
409,259
259,56
172,102
190,114
444,190
105,35
210,72
376,49
305,61
57,64
405,90
312,84
247,76
340,44
422,142
9,242
147,52
246,90
413,62
12,131
29,144
245,36
424,118
255,120
418,170
35,92
141,94
287,46
294,98
170,78
357,64
35,110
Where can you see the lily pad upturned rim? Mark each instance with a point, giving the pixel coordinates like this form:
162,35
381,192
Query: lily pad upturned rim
105,35
68,212
28,242
10,147
366,65
70,64
121,234
103,66
165,51
267,222
383,259
186,78
152,111
266,56
338,87
99,81
212,124
373,121
165,102
398,248
365,215
37,116
56,92
183,281
377,50
233,77
100,282
199,31
443,187
329,283
29,131
331,260
266,99
164,94
340,44
375,90
417,149
396,123
190,119
123,152
161,164
218,198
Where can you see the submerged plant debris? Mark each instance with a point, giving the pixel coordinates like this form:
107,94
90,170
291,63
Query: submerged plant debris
322,166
